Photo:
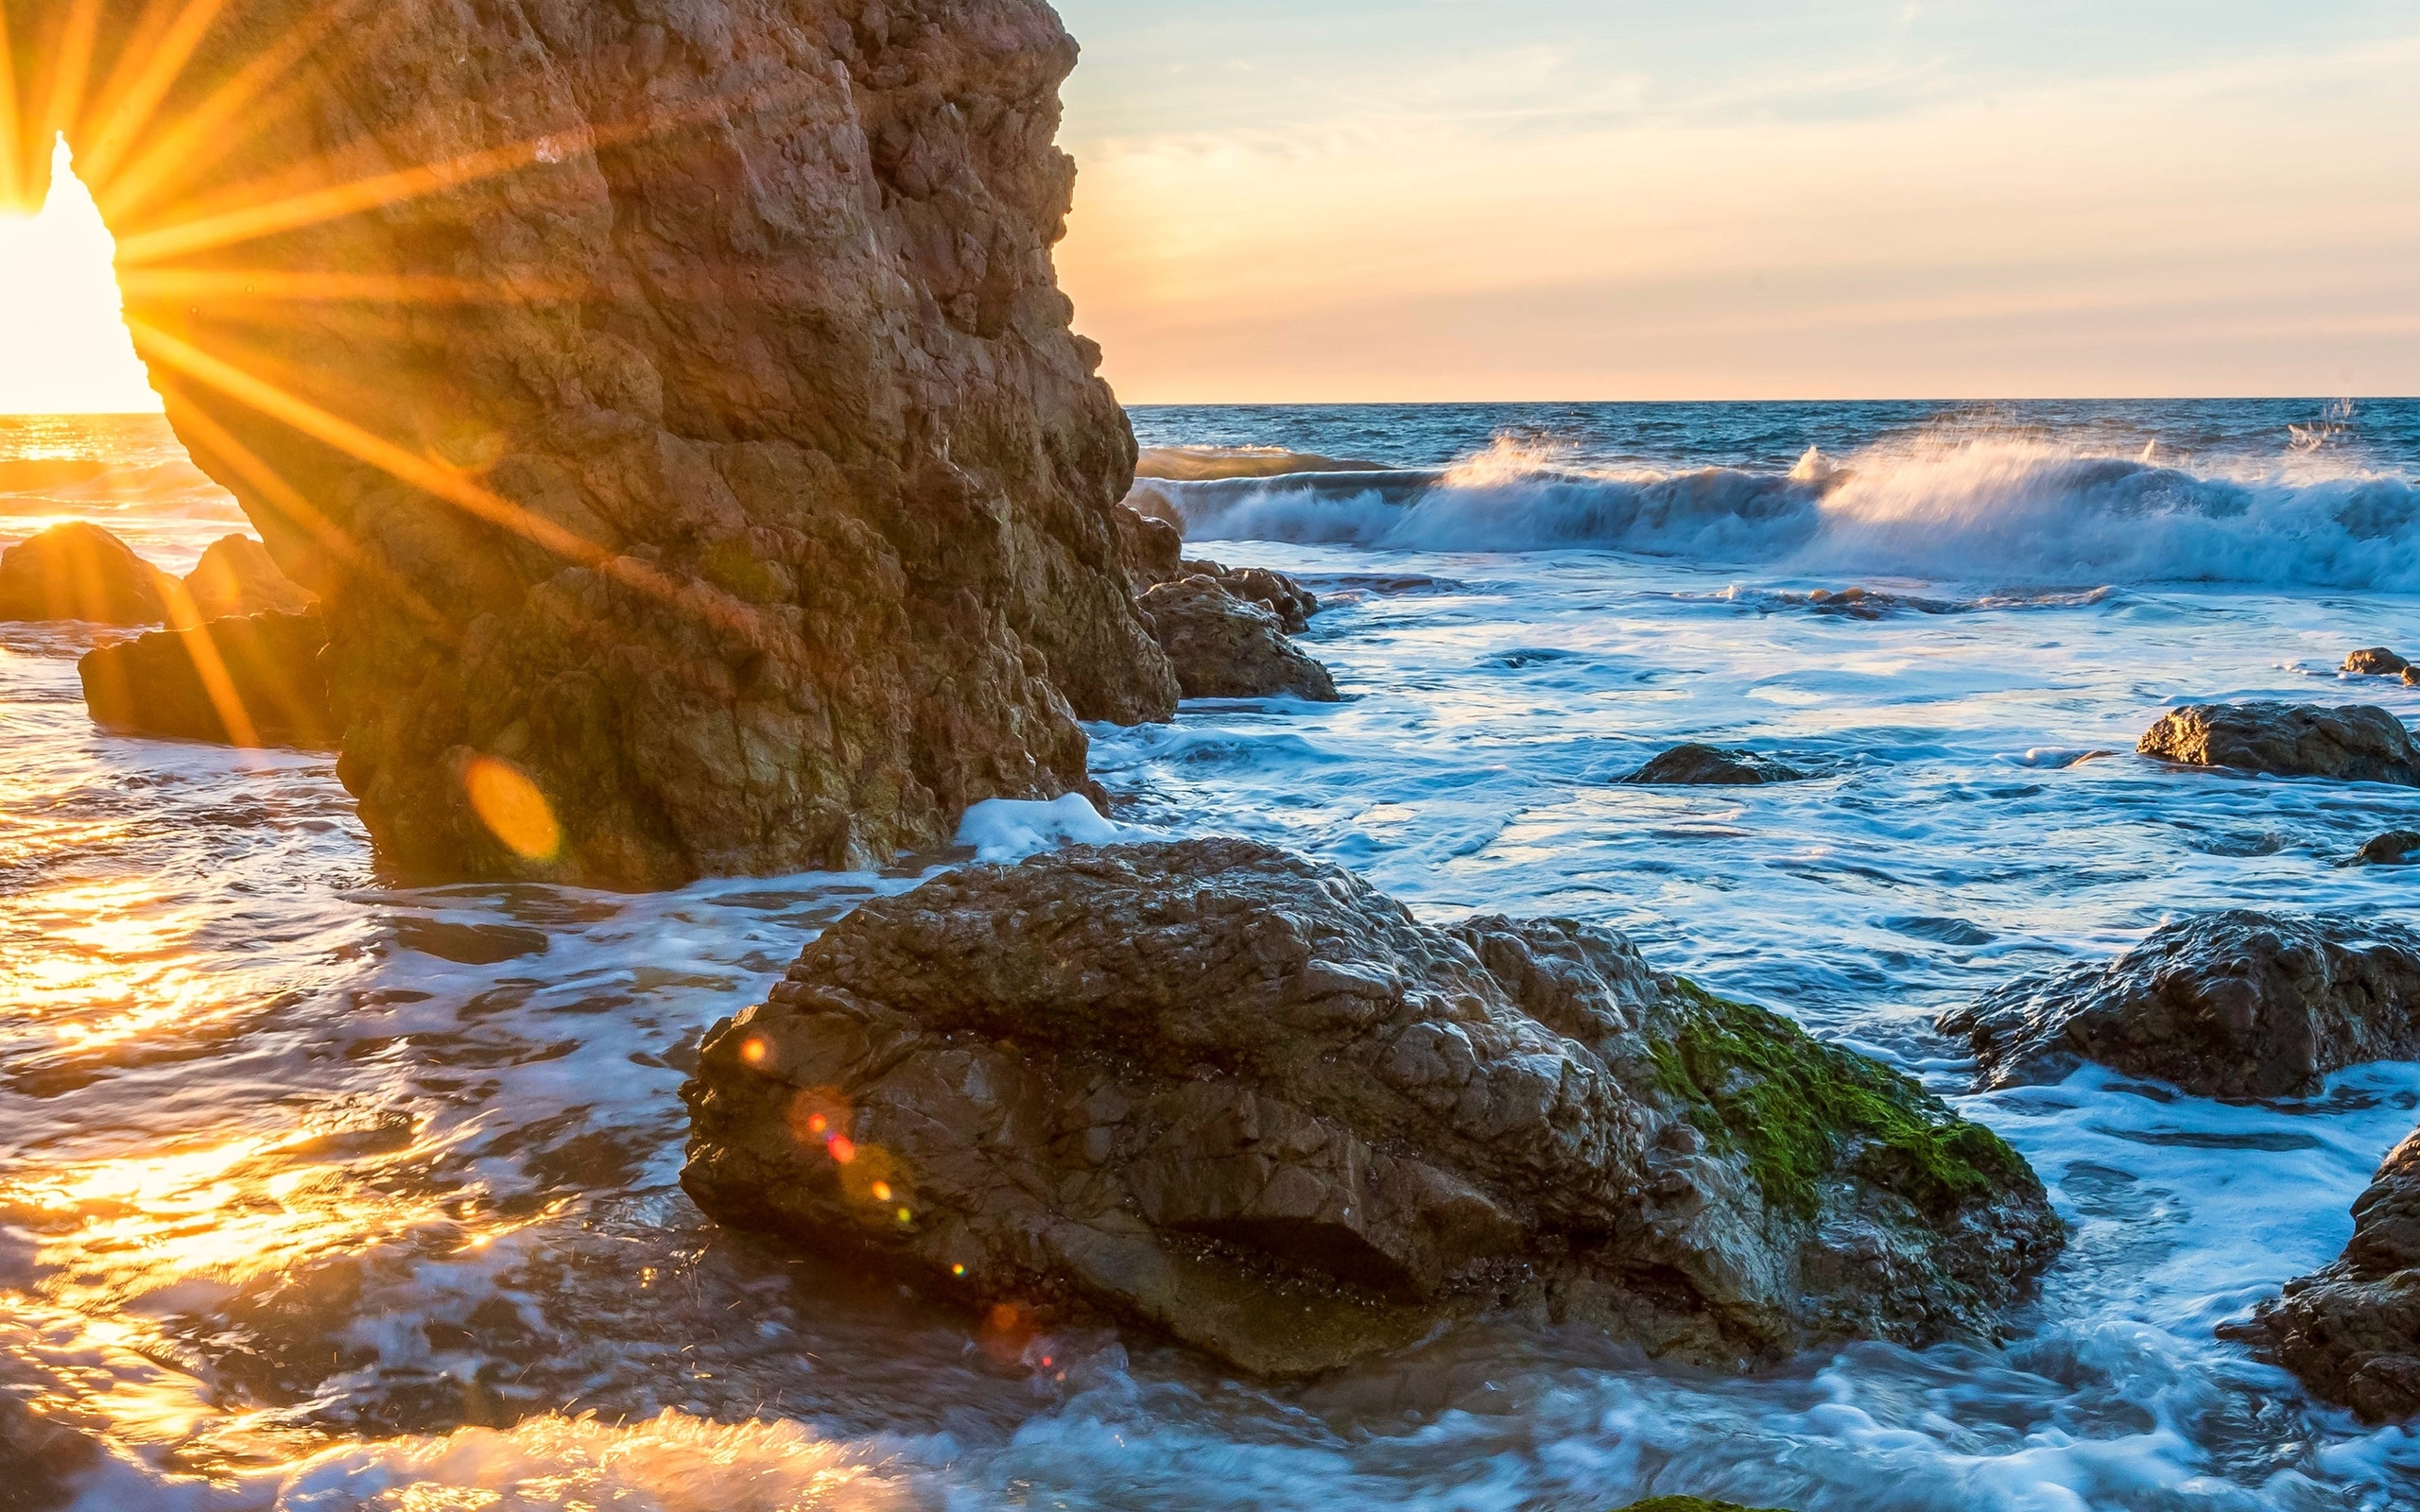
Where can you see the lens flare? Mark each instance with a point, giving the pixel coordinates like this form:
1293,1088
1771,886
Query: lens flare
512,808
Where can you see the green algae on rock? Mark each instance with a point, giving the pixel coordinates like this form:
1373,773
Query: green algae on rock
1242,1099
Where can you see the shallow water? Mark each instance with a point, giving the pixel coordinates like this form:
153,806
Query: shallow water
319,1193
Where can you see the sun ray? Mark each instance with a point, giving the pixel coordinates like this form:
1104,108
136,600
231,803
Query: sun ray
446,482
70,67
129,106
11,164
195,427
209,667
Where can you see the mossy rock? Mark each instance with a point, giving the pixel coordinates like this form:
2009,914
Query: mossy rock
1692,1504
1800,1110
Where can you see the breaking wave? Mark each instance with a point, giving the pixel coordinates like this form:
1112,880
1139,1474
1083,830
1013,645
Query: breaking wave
1986,510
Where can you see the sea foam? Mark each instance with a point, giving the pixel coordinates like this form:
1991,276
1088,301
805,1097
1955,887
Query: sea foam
1996,510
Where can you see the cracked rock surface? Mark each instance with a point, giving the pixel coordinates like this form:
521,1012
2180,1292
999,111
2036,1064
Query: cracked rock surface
1239,1098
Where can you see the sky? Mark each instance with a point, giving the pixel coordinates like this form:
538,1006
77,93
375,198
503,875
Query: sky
1294,200
1550,199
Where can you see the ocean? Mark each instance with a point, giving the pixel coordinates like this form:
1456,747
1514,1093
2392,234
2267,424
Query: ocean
319,1193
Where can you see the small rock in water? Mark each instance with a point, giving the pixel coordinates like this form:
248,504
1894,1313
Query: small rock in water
2229,1005
80,571
2351,1330
1712,766
1223,646
253,682
2377,661
236,578
2392,848
1281,595
2357,742
1241,1098
1690,1504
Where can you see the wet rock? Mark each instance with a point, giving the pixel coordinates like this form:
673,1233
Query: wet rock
2351,1330
2392,848
1241,1098
2229,1005
251,682
2358,742
1152,549
767,527
1690,1504
1281,595
2377,661
1711,766
236,578
80,571
1223,646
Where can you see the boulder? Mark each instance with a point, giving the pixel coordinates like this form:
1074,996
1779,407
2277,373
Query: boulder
1711,766
236,578
2377,661
2392,848
2228,1004
1281,595
766,525
1228,647
2351,1330
2358,742
250,682
1240,1098
80,571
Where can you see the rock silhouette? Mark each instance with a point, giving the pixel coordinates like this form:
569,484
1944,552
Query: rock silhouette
1232,1095
2358,742
2229,1005
233,682
80,571
685,409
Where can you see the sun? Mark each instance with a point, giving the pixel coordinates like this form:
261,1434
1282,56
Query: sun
63,342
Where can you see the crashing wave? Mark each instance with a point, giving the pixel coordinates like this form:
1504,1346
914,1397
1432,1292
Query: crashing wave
1980,511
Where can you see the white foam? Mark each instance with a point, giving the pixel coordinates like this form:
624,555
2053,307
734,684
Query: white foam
1005,828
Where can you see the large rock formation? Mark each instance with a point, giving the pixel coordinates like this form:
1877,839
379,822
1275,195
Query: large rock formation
2358,742
248,681
1231,1094
675,401
80,571
2228,1004
2351,1329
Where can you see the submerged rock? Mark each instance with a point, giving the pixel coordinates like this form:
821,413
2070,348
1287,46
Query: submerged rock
80,571
1231,1094
2229,1005
236,578
2357,742
2351,1330
1712,766
2392,848
2377,662
765,528
250,682
1223,646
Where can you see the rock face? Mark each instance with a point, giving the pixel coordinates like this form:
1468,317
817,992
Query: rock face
1223,646
1710,767
2352,1330
236,578
1230,1094
252,681
82,571
2377,661
2230,1004
1281,595
2392,848
2358,742
674,401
